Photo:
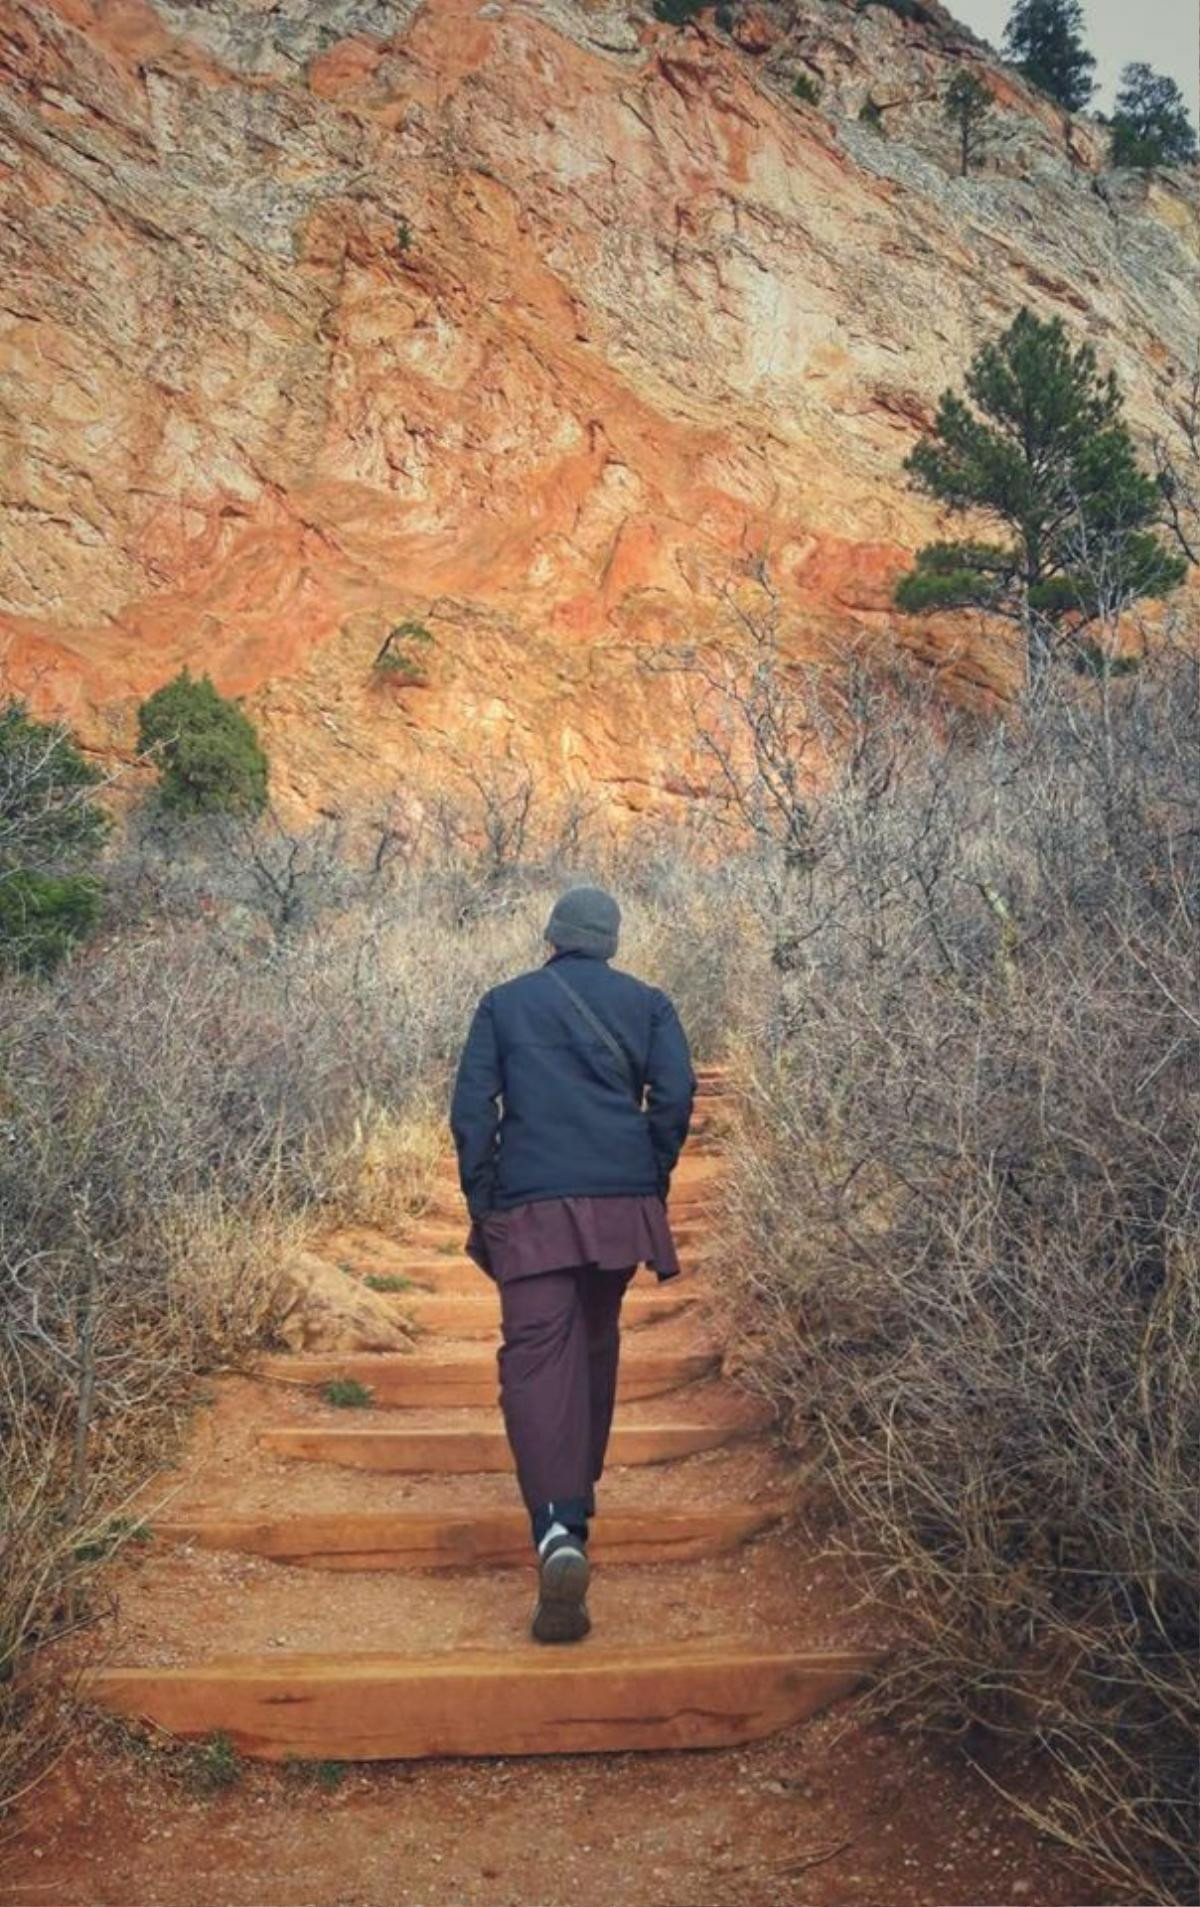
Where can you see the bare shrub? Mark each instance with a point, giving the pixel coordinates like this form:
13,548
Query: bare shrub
384,1173
965,1221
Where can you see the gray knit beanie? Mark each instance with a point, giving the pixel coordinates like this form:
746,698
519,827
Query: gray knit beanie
585,920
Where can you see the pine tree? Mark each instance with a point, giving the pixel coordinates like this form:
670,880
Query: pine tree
1039,448
210,760
1151,125
967,105
1045,39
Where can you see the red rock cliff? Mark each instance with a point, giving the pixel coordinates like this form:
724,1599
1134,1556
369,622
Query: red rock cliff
535,323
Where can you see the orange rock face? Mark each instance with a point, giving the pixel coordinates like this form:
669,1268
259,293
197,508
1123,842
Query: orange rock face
545,327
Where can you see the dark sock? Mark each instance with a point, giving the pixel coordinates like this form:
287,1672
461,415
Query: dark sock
571,1512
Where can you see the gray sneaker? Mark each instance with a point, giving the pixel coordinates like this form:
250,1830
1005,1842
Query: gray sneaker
561,1614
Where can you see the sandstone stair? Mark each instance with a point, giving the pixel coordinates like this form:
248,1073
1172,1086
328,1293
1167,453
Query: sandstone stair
432,1415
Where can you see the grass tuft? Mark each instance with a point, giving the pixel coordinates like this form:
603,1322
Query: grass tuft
346,1393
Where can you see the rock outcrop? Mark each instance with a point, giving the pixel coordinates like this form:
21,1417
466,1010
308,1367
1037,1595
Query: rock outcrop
538,325
322,1308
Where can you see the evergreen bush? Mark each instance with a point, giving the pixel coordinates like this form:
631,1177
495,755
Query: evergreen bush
210,759
50,830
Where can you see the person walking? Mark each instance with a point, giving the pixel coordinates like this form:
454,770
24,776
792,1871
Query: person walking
571,1106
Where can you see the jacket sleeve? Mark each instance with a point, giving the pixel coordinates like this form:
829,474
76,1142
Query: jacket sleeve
670,1088
475,1110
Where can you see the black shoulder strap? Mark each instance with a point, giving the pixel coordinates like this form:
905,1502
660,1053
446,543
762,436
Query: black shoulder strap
600,1030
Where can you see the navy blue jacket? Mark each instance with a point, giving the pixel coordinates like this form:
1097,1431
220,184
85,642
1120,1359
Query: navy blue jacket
570,1126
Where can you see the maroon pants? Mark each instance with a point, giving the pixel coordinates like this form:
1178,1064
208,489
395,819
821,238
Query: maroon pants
558,1381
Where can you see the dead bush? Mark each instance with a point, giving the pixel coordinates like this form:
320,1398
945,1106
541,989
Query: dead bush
964,1222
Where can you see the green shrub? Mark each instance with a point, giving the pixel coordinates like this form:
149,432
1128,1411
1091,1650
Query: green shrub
677,12
807,89
723,19
214,1765
871,115
402,655
46,810
210,759
42,916
388,1281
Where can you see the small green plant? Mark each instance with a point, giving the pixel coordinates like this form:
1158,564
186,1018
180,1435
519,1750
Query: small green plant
388,1281
806,88
213,1766
677,12
207,748
328,1775
723,19
404,237
403,652
346,1393
871,115
447,1250
105,1542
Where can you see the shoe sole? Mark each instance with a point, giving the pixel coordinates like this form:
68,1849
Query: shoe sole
561,1614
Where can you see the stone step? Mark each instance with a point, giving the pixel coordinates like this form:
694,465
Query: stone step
402,1381
476,1314
414,1539
467,1451
523,1701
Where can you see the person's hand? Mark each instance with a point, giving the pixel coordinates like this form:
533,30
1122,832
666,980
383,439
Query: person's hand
477,1250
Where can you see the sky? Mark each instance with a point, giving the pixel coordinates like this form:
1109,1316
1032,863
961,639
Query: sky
1164,33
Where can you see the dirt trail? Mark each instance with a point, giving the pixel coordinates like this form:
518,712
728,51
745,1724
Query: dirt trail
279,1603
